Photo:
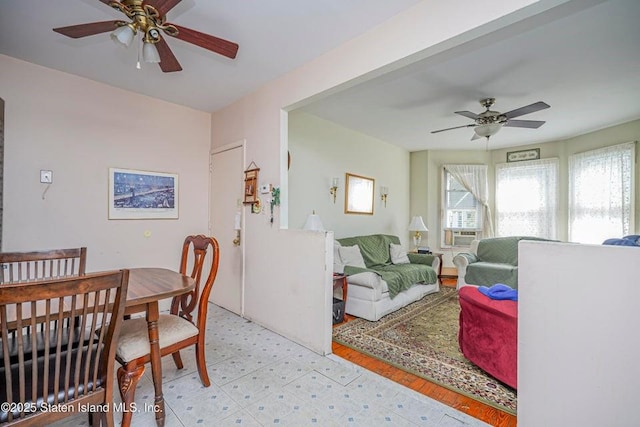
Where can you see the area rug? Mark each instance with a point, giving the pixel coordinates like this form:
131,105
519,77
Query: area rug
422,338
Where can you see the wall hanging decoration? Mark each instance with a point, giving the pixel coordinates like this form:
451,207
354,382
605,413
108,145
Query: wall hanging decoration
519,156
275,200
251,184
135,194
358,194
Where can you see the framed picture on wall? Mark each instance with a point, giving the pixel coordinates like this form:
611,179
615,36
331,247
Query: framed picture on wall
136,194
358,194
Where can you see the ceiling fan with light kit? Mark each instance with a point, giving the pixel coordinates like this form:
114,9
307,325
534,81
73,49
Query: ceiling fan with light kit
488,123
149,18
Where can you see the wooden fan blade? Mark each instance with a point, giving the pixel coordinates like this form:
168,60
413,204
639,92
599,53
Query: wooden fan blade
456,127
468,114
537,106
106,2
206,41
84,30
168,61
163,6
531,124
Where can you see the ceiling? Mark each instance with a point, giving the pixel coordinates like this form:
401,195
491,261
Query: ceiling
585,64
275,37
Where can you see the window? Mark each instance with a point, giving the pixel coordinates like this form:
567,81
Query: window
463,211
601,193
527,198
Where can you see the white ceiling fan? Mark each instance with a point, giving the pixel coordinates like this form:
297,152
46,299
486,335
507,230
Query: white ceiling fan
488,123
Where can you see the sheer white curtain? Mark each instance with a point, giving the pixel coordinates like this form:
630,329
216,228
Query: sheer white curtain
527,198
474,179
601,193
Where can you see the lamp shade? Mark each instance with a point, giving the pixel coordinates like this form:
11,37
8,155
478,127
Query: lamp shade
123,36
313,223
417,224
487,130
150,53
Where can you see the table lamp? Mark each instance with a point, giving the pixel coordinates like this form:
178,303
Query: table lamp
417,225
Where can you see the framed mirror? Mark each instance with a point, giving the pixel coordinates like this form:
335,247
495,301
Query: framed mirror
358,194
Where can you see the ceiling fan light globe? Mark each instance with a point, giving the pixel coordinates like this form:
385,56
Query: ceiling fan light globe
150,53
123,36
487,130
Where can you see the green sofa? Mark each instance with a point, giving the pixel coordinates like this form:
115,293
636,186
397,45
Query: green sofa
490,261
381,287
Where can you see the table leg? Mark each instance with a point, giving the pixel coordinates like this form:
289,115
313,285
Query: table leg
156,364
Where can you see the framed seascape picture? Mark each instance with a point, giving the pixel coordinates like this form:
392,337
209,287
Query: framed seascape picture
359,194
135,194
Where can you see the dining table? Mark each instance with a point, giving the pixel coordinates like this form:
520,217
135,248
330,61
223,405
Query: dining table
147,287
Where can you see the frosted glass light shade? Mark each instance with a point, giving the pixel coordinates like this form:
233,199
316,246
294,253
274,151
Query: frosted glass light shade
150,53
123,36
313,223
487,130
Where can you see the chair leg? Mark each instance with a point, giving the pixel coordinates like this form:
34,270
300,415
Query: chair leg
127,381
202,364
177,359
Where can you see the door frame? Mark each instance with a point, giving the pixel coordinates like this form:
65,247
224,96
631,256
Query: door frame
242,144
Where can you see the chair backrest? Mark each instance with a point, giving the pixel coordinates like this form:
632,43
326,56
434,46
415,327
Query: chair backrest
200,256
41,265
57,344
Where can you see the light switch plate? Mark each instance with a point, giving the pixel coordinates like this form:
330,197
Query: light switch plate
46,177
265,189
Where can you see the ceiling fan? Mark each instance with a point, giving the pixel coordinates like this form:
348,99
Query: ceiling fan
488,123
148,17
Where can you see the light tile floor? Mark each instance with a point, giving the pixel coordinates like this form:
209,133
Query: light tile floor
260,378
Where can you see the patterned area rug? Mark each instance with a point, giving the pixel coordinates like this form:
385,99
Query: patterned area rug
422,338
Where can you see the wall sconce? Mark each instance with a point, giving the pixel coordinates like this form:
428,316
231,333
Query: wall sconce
384,192
333,190
237,226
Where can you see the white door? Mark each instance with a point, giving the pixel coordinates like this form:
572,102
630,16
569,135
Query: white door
226,202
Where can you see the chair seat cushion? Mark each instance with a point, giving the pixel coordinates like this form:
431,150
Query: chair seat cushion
134,335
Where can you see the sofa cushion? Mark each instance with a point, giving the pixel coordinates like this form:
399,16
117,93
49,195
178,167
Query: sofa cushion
338,265
499,249
490,273
350,255
398,254
374,248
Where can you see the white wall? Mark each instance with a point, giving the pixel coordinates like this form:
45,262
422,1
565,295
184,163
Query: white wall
577,335
258,118
79,128
322,150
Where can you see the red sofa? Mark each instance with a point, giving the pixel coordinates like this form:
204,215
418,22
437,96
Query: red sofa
488,334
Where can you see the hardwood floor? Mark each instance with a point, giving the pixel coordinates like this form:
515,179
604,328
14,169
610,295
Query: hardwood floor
476,409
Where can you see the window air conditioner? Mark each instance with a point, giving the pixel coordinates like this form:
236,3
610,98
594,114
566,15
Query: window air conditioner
460,237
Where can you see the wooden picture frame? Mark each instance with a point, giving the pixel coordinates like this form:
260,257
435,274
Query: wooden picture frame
359,191
136,194
251,184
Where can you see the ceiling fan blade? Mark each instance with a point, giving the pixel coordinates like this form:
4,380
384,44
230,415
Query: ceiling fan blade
531,124
84,30
468,114
168,61
106,2
162,6
455,127
537,106
206,41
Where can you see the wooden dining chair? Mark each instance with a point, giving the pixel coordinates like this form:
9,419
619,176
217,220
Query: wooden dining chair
49,372
178,329
40,265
